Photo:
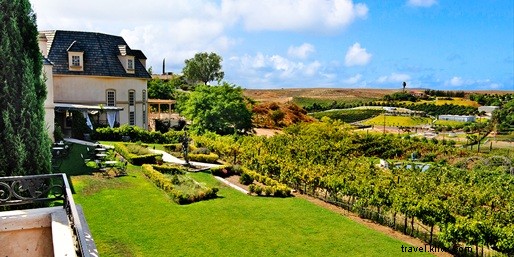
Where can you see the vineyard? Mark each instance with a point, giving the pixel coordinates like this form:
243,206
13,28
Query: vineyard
461,201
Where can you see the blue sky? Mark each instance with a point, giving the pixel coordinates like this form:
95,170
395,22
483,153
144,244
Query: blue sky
437,44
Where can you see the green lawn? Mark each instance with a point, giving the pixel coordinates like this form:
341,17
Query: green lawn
398,121
129,216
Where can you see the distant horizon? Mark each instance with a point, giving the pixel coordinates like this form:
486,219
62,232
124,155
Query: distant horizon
371,88
436,44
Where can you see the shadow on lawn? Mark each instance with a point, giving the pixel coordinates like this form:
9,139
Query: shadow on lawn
73,164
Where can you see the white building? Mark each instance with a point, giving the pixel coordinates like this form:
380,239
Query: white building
461,118
96,74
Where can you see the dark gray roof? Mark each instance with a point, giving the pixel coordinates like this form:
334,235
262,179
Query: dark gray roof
100,54
46,61
139,54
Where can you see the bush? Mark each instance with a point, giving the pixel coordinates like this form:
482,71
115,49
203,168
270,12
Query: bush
136,134
201,150
222,171
178,196
173,147
207,158
245,179
135,159
170,169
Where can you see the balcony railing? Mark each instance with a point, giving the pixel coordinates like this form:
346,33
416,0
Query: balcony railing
39,190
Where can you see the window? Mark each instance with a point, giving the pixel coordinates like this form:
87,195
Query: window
132,103
75,60
143,95
111,97
130,64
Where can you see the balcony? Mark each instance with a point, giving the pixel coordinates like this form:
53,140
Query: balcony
38,217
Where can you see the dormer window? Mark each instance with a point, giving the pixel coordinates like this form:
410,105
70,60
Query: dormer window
75,57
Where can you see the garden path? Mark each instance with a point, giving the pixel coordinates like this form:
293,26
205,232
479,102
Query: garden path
166,157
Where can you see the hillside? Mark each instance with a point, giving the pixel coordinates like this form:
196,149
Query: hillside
329,94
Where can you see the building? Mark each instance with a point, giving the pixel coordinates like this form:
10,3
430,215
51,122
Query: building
98,75
488,110
460,118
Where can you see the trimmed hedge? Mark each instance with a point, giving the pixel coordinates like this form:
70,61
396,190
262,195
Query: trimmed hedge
170,169
226,170
136,134
122,149
178,196
207,158
271,187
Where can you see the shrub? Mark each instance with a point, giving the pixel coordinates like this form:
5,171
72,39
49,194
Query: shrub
222,171
201,150
245,179
170,169
135,159
208,158
173,147
136,134
178,196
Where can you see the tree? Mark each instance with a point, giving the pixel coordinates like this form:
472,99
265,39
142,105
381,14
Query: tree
160,89
203,67
25,142
404,84
220,109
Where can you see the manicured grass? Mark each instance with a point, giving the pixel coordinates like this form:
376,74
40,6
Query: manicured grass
398,121
449,123
129,216
152,146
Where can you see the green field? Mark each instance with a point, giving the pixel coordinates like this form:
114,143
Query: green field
398,121
455,101
349,115
129,216
449,123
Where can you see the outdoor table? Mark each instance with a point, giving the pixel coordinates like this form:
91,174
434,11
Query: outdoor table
101,155
100,149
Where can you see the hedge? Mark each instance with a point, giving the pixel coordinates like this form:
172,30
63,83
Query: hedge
271,187
170,169
136,134
226,170
122,149
207,158
178,196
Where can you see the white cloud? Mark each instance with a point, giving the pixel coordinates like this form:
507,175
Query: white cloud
394,78
357,56
273,70
353,80
455,81
421,3
302,51
296,15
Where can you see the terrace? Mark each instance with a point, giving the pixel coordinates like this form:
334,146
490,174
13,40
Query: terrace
42,218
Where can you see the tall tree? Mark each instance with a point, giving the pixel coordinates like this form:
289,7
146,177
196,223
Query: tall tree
25,142
221,109
203,67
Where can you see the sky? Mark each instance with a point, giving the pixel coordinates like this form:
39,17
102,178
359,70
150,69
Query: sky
436,44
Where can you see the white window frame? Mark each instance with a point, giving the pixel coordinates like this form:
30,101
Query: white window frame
132,107
110,97
130,64
75,61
